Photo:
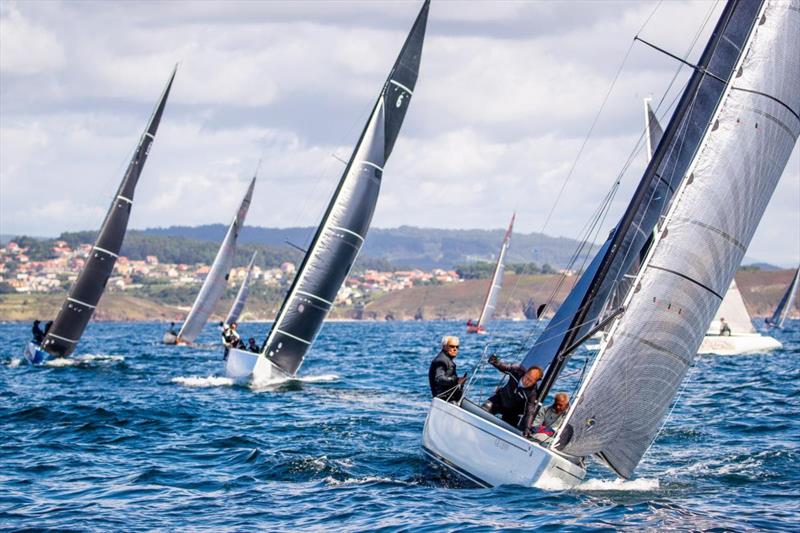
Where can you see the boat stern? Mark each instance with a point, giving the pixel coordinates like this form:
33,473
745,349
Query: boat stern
481,448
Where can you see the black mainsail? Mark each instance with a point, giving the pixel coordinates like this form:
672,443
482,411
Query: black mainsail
344,226
77,309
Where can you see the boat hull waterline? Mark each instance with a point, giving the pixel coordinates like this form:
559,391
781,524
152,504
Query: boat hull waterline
740,344
35,355
242,365
487,454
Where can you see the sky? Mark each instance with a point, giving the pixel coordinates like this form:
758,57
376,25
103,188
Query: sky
507,94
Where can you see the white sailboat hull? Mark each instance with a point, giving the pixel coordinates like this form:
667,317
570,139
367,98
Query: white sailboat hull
242,365
466,441
737,344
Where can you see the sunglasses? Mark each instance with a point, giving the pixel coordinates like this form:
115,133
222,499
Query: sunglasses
451,346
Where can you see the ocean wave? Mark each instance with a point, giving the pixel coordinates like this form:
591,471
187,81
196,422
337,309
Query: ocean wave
272,383
83,360
626,485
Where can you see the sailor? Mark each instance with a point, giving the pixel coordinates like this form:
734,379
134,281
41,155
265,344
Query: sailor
517,397
252,346
38,334
442,376
172,330
230,337
724,328
550,418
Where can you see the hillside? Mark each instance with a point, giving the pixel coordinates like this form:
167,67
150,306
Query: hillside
406,246
760,290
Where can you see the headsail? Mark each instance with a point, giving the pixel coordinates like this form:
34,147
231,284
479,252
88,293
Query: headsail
786,303
217,278
241,296
343,229
77,309
733,310
731,176
496,284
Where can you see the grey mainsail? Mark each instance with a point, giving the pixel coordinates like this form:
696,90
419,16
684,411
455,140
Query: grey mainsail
241,296
632,237
727,186
786,303
217,278
343,229
77,309
496,284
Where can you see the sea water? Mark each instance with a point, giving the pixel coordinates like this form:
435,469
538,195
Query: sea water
131,434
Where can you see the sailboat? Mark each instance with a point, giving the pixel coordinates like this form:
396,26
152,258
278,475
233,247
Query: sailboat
216,280
742,337
241,296
341,233
61,339
719,161
785,305
495,285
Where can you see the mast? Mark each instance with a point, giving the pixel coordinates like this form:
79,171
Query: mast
745,147
85,294
217,278
632,236
496,283
241,296
344,226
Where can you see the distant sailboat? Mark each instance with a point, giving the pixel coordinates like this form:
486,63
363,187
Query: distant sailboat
740,337
342,231
62,337
495,285
785,305
216,280
713,173
241,296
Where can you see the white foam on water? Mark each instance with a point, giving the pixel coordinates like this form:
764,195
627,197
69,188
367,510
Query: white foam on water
88,358
357,481
15,362
209,381
273,382
626,485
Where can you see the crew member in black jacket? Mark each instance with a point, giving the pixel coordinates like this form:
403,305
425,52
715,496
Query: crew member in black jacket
442,377
517,397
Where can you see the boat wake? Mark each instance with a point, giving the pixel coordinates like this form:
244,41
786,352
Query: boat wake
14,362
624,485
273,383
84,360
200,382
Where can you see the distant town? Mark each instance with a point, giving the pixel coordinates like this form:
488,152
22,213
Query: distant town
19,273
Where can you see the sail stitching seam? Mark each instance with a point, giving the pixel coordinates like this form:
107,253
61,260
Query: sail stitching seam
370,163
106,251
347,231
125,199
293,336
711,228
304,293
406,89
684,276
62,338
773,98
80,302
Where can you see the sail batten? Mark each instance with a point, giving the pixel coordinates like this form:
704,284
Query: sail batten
637,374
344,225
85,293
217,278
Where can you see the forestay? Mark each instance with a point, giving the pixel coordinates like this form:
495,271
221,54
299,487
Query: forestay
344,226
745,148
786,303
496,285
77,309
241,296
217,278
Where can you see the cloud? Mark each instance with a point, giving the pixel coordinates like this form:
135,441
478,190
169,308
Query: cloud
506,94
25,47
